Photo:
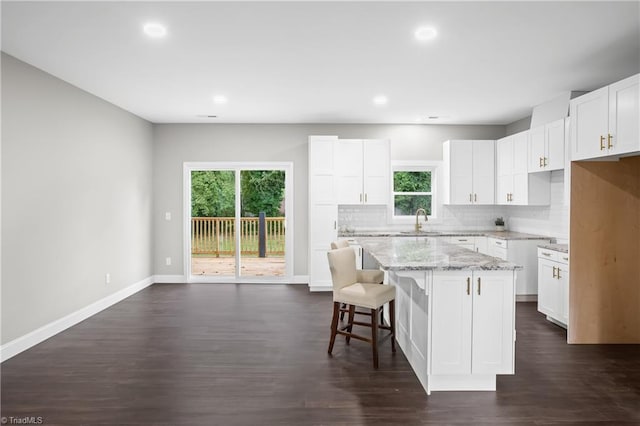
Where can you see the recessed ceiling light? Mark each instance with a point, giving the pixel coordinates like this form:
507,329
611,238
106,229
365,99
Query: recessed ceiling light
425,33
220,99
380,100
155,30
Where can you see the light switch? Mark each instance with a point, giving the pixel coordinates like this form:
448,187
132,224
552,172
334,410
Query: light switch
167,216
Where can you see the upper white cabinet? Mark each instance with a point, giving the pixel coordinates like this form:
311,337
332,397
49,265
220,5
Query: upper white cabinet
514,184
606,121
362,171
546,147
469,171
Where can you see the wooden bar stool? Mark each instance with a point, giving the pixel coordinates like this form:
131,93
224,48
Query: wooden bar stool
373,276
347,289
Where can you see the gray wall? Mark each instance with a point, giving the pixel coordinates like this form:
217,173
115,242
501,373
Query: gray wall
76,198
177,143
518,126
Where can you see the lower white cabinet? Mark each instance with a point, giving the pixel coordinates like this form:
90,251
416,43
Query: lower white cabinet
523,253
553,285
472,323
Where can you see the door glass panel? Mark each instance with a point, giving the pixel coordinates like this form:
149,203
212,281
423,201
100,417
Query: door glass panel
213,227
262,223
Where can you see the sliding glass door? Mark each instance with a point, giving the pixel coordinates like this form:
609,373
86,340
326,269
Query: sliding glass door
237,222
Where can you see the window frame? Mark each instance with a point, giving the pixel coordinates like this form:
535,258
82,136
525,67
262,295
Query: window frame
435,167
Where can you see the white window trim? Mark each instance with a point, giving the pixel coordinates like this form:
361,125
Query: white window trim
287,167
436,189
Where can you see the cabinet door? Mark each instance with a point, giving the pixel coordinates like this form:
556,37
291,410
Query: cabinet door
504,170
461,172
484,172
376,171
554,142
537,151
481,245
563,294
451,323
589,123
547,288
520,193
493,323
322,230
624,116
348,171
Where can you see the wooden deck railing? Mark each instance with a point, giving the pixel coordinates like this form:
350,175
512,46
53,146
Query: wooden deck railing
215,236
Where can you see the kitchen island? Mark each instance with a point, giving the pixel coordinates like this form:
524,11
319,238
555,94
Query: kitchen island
455,310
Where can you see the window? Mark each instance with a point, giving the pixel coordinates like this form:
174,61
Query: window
413,188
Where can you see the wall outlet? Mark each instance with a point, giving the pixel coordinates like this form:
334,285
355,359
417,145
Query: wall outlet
107,278
167,216
168,261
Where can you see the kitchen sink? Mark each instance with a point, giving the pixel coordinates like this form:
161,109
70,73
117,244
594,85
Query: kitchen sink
420,233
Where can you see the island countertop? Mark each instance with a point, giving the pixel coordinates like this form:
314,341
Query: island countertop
425,253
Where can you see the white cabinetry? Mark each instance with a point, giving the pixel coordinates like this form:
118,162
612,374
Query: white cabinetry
358,250
553,285
469,171
514,184
323,209
472,323
477,243
523,253
546,147
362,171
606,121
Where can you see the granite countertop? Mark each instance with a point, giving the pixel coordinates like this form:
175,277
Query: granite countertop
502,235
419,254
562,248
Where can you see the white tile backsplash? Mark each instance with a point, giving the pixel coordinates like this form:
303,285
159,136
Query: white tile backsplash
552,220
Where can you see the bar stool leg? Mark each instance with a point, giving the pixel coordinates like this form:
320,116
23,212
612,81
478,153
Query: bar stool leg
334,325
374,336
392,324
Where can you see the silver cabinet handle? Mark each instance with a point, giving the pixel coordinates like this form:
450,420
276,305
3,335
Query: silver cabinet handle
479,284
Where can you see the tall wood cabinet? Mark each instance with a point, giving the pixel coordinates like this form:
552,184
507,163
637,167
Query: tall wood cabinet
469,172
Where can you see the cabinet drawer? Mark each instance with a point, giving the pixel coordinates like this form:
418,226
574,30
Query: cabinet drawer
463,241
495,242
548,254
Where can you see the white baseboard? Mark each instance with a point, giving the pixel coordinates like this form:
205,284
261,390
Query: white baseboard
169,279
22,343
526,297
321,288
179,279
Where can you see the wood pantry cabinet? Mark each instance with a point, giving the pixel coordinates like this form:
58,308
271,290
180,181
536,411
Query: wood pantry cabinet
472,323
606,121
553,285
362,171
469,172
546,147
514,184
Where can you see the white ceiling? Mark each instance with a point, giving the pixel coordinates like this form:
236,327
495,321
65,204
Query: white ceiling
323,62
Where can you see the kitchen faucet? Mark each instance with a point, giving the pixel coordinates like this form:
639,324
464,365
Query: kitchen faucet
419,225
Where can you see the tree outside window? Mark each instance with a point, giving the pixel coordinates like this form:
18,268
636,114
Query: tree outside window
412,189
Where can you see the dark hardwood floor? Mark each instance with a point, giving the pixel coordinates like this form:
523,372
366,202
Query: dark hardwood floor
222,354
